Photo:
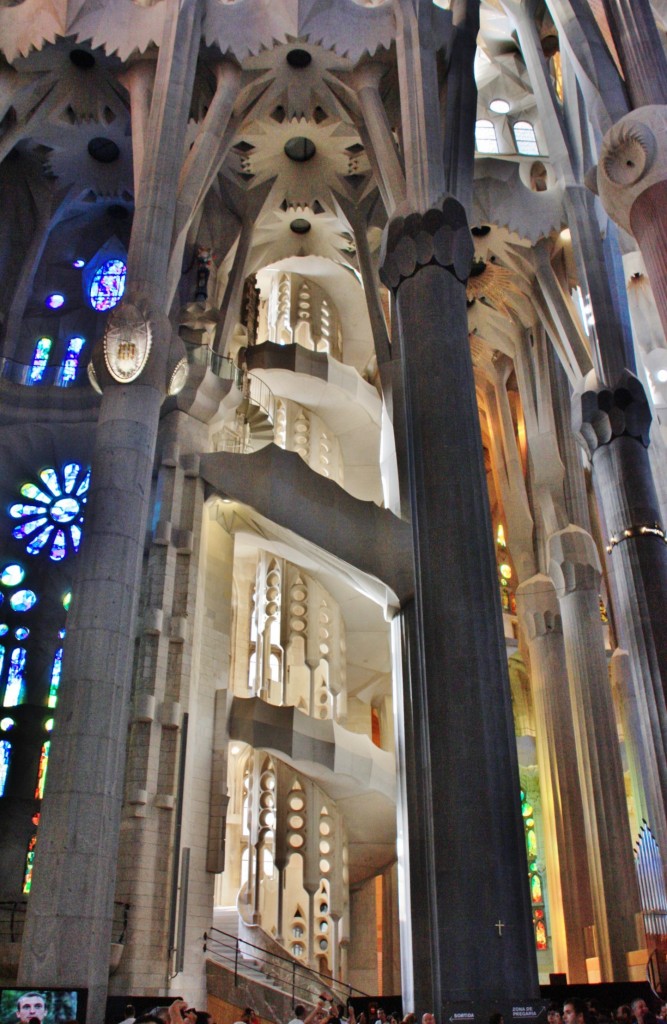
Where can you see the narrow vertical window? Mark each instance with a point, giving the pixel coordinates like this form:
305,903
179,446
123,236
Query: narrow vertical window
29,861
71,364
41,771
5,755
15,689
39,360
56,671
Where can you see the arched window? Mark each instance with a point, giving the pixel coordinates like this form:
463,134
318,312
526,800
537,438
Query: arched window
39,360
485,137
71,364
524,136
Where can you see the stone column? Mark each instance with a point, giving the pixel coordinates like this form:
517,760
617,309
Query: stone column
68,924
463,744
389,172
639,48
566,857
614,424
575,570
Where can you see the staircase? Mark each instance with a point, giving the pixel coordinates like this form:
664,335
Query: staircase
252,965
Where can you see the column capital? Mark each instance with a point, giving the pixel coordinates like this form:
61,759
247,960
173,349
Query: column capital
574,563
439,236
632,159
537,603
600,414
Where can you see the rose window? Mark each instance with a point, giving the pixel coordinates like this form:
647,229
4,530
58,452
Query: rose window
53,518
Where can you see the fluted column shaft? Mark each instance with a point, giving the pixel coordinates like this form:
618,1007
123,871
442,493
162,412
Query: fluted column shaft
463,743
615,426
568,878
575,570
639,48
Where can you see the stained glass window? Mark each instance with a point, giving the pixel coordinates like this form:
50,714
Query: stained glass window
39,360
23,600
71,364
41,772
29,861
12,575
534,877
52,521
56,671
108,285
15,689
5,754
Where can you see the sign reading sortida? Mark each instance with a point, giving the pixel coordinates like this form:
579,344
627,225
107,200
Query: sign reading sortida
515,1011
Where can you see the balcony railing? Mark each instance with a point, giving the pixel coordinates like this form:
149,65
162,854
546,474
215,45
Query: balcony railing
13,913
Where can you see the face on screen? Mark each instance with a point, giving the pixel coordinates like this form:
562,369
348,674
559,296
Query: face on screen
31,1005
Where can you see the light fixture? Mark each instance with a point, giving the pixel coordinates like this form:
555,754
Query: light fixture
499,106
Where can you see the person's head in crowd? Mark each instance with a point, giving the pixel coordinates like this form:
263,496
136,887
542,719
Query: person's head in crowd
428,1018
553,1014
299,1012
662,1012
496,1018
574,1011
623,1014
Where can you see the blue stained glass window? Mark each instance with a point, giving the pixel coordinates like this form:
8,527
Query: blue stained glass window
4,628
5,754
71,364
56,671
39,360
15,689
23,600
53,525
12,575
108,285
21,633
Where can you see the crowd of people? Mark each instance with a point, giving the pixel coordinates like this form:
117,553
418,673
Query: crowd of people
31,1009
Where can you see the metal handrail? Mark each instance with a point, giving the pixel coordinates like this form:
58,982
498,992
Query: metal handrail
51,375
297,974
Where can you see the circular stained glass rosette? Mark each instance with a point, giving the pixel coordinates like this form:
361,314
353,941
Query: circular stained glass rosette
23,600
108,285
52,518
12,575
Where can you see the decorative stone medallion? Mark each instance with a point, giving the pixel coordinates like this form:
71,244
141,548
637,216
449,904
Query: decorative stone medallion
127,343
178,377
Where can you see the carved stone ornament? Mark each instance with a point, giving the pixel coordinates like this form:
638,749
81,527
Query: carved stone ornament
439,236
179,377
127,343
631,161
601,414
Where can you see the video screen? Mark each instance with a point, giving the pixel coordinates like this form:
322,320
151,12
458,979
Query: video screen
47,1005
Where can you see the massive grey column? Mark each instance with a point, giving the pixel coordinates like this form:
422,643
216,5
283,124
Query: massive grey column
615,426
575,569
472,931
68,925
